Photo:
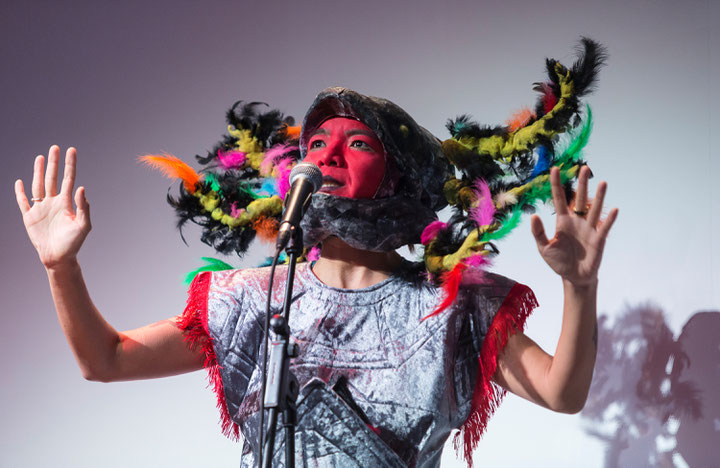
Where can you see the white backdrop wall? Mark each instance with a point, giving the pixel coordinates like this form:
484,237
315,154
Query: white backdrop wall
122,79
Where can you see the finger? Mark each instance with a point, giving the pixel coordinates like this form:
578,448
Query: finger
596,209
69,175
83,207
558,193
538,231
608,223
20,196
52,170
38,188
581,196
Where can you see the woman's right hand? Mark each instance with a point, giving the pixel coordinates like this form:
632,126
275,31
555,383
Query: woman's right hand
55,228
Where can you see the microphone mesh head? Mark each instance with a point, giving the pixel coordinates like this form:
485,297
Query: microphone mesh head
308,171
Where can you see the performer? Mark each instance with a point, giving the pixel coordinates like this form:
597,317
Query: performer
394,355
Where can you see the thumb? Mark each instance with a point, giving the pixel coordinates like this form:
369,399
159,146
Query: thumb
538,231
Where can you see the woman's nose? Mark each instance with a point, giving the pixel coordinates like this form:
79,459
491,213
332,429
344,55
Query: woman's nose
332,156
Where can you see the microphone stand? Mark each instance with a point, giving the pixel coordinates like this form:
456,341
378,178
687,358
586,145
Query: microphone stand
281,385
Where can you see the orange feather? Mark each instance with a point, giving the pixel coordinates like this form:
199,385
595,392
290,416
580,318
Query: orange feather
519,119
266,228
293,132
173,168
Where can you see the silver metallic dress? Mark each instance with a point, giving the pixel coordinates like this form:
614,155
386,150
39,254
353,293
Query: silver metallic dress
380,386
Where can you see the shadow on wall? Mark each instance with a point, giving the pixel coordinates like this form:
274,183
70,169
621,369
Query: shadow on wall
655,400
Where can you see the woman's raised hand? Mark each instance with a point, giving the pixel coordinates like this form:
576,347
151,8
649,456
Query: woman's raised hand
576,250
55,228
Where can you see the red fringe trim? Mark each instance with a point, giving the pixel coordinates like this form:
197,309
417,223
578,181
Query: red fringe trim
194,323
511,317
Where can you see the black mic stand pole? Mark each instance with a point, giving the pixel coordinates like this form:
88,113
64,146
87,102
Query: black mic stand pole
282,386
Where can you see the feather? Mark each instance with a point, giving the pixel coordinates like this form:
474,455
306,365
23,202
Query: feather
314,254
504,199
579,141
519,119
272,158
173,168
475,273
549,99
211,264
591,56
234,211
269,187
232,159
212,179
266,228
293,133
543,161
283,177
431,231
483,213
507,225
450,282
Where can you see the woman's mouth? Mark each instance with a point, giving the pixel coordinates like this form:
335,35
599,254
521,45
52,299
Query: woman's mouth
329,184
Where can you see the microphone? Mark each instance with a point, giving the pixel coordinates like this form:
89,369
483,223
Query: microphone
305,179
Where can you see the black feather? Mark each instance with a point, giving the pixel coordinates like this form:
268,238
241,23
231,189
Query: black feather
591,56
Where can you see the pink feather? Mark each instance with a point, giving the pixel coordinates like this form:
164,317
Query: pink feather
234,211
231,159
283,178
314,254
475,273
431,231
272,158
484,212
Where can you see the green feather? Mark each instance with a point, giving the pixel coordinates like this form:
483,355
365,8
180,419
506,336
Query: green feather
213,181
211,264
506,225
579,140
244,189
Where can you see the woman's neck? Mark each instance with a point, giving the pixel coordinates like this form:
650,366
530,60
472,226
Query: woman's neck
342,266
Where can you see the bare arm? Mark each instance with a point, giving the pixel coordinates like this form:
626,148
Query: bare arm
57,232
561,382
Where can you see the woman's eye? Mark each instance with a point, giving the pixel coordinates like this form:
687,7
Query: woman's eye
317,144
360,144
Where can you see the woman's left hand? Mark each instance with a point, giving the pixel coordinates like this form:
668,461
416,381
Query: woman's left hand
576,250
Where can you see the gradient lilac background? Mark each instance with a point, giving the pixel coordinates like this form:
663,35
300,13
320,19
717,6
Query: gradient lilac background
120,79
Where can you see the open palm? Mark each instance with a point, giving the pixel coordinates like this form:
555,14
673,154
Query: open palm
576,250
55,228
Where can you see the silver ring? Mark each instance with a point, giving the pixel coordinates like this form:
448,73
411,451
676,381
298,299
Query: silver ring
36,199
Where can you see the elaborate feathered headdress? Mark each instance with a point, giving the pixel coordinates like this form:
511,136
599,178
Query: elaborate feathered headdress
489,175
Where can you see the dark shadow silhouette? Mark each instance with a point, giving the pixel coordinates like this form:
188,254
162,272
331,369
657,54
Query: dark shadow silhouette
654,399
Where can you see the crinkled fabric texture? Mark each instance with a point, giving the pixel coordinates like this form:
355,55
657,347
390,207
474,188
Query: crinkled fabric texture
379,387
379,225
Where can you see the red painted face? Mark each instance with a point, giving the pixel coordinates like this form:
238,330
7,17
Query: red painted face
350,157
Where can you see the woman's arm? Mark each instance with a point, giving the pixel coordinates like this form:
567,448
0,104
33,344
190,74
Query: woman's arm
561,382
57,232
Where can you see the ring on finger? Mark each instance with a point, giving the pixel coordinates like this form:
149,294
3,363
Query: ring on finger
36,199
581,213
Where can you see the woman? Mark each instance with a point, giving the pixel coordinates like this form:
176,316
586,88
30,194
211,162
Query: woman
383,380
